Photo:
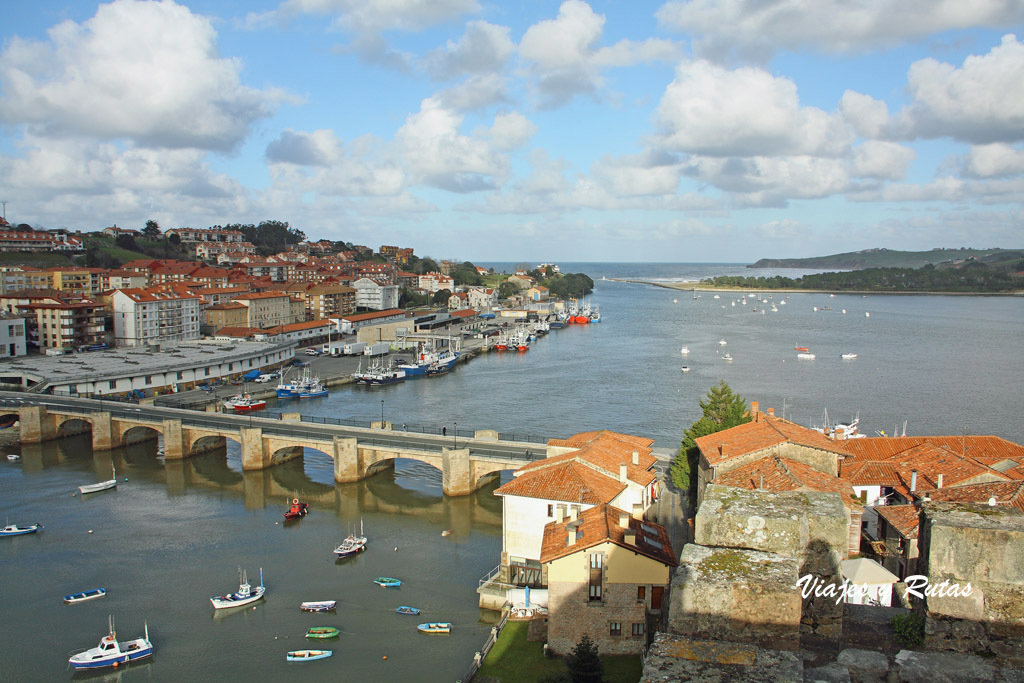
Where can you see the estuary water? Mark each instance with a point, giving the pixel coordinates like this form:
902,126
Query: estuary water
173,534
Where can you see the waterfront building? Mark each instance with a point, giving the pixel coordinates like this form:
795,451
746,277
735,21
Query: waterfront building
266,309
323,300
608,573
538,293
154,317
482,298
581,472
374,296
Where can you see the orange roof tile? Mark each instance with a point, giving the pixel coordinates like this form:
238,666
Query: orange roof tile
601,525
903,518
775,473
764,431
1005,493
571,482
982,448
606,451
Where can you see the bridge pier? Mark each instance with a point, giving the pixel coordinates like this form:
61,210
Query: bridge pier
36,424
254,456
457,479
104,437
346,461
174,440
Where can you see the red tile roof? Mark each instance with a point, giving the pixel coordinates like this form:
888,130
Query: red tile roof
605,451
601,525
763,432
568,481
903,518
1005,493
774,473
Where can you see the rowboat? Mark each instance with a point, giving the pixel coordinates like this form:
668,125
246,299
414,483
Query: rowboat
15,530
85,595
323,632
435,627
100,485
112,653
245,594
318,605
405,609
13,457
307,655
387,582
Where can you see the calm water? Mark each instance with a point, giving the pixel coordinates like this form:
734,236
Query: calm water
171,536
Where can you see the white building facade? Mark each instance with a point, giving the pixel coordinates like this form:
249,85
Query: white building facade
144,317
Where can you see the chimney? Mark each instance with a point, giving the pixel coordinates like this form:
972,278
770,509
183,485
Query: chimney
721,449
573,511
754,405
913,480
940,481
622,473
572,534
624,520
636,457
771,411
630,537
638,512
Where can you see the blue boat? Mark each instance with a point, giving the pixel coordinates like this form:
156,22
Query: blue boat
387,582
15,530
307,655
405,609
112,653
85,595
430,362
304,386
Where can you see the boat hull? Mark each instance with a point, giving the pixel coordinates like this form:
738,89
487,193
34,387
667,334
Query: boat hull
15,530
404,609
387,582
321,606
234,600
308,655
85,595
99,486
323,632
112,660
435,627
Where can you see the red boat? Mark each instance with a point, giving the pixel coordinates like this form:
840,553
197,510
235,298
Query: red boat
244,403
582,320
803,349
298,510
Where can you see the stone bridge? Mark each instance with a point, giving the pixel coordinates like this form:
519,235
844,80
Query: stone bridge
357,453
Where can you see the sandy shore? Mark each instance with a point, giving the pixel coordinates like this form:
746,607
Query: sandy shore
701,287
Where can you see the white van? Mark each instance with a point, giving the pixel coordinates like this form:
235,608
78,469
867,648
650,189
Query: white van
265,378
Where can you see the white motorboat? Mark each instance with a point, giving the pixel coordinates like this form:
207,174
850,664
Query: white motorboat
112,653
245,595
352,545
805,355
685,368
848,356
685,350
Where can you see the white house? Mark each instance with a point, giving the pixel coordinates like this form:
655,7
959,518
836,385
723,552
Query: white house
374,296
12,335
145,316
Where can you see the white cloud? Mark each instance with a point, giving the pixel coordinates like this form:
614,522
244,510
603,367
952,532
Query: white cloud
881,160
483,48
868,116
319,148
723,28
476,92
370,16
144,71
511,130
771,181
319,163
436,154
714,111
638,175
980,102
984,161
783,229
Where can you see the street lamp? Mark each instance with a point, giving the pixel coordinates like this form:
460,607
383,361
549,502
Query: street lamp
455,434
382,413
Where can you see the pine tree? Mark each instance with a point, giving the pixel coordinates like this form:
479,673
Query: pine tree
722,410
584,662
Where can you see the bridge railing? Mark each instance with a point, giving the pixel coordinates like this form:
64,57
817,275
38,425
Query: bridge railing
437,430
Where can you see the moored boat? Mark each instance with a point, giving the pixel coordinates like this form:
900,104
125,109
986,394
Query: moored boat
13,457
112,653
405,609
353,544
245,594
323,632
297,510
727,357
685,368
435,627
307,655
387,582
244,403
91,594
100,485
806,356
848,356
15,530
318,605
379,372
430,361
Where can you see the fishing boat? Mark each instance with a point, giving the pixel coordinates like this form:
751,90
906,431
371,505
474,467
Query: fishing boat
848,356
245,595
297,510
85,595
436,369
318,605
435,627
428,359
387,582
112,653
806,356
305,385
100,485
379,372
307,655
405,609
15,530
323,632
353,545
244,403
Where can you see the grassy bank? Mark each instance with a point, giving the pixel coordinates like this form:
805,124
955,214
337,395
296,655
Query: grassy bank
514,659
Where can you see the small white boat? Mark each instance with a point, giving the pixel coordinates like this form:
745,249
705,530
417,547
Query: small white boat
307,655
13,457
722,342
436,627
85,595
112,653
352,545
685,368
848,356
806,356
685,350
100,485
727,357
318,605
245,594
15,530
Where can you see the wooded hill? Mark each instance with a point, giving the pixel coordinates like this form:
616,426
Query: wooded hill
888,258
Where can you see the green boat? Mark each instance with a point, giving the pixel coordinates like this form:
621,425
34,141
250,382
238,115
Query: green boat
387,582
323,632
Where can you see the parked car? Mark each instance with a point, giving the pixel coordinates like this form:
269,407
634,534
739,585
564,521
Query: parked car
310,351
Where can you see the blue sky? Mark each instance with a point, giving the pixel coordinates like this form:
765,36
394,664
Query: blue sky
700,130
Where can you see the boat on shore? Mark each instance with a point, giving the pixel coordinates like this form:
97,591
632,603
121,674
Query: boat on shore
15,530
245,595
318,605
435,627
84,595
387,582
323,632
307,655
112,653
100,485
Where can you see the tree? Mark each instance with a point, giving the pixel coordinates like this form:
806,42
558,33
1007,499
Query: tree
722,410
152,230
584,663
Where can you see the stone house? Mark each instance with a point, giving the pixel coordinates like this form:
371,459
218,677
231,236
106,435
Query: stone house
897,531
608,573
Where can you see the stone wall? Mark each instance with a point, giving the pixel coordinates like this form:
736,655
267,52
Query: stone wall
979,546
577,616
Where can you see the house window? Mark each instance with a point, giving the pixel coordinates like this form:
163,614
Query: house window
112,384
596,576
614,628
551,510
641,593
638,629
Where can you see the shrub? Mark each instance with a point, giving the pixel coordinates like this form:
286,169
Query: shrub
908,629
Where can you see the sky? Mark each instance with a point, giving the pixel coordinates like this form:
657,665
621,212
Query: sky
678,131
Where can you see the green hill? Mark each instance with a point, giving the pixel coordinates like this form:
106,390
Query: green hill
888,258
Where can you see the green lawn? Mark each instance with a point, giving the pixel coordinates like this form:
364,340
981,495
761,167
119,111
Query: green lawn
514,659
